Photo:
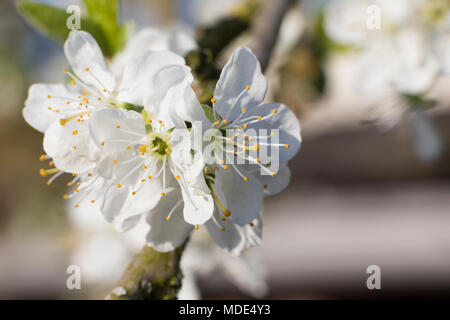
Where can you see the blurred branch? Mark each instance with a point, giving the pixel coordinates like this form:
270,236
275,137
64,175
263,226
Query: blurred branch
264,32
150,275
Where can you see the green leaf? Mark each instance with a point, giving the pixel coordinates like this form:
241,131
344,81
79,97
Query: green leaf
105,14
53,22
209,113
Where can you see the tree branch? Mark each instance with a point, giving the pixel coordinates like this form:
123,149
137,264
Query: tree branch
150,275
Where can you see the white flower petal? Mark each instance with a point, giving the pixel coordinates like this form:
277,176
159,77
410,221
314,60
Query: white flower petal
285,121
235,239
198,205
242,198
181,42
140,81
86,60
113,130
69,146
277,183
41,97
167,235
146,39
181,104
241,70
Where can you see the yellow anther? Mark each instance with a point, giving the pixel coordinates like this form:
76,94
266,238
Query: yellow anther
259,118
76,190
213,100
144,167
143,180
87,69
115,161
104,90
247,87
73,83
150,177
223,218
118,127
128,147
74,147
99,99
133,193
274,111
244,135
245,126
86,99
49,108
225,167
64,70
239,128
77,205
225,121
68,102
89,174
223,228
102,143
251,224
258,159
74,132
69,184
119,185
244,111
142,148
245,178
44,173
227,213
150,121
286,146
49,96
265,186
42,157
196,227
217,122
92,201
166,150
74,174
272,174
49,182
65,196
163,194
167,218
272,134
177,177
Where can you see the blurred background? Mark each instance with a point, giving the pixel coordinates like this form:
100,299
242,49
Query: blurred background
370,185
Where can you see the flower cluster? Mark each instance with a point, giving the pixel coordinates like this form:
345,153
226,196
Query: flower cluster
141,146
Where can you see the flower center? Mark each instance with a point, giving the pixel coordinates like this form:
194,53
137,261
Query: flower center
435,11
158,146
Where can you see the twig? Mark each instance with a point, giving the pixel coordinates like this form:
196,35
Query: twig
150,275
